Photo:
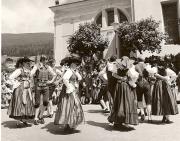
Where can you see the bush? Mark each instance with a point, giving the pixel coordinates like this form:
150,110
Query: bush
141,36
87,40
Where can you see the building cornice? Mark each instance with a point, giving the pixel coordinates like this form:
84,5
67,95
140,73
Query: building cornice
85,4
88,10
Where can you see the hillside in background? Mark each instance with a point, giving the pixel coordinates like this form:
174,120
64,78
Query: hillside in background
27,44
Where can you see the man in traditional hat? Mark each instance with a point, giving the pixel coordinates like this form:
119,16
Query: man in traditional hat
42,72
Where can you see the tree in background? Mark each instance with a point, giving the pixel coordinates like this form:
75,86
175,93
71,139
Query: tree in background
87,40
143,35
88,43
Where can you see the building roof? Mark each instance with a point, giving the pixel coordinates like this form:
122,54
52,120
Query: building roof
69,1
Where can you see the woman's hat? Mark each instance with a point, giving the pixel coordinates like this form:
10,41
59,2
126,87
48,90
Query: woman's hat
20,61
71,59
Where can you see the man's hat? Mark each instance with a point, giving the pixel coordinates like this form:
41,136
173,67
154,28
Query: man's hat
43,58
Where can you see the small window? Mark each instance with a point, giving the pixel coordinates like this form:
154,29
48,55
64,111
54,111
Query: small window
110,16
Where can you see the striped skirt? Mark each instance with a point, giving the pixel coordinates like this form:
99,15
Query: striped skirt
17,109
68,113
163,100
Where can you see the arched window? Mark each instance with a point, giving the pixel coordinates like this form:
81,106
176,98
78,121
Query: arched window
109,15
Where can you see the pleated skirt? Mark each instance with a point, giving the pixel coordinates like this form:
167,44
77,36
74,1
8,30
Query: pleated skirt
163,99
124,108
17,109
68,112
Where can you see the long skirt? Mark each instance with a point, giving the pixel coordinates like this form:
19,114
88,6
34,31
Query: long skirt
95,93
68,112
17,109
111,83
124,105
163,100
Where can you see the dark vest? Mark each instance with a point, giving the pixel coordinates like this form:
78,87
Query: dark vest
42,75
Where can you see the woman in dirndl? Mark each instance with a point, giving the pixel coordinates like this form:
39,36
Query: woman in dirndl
21,106
124,111
70,113
163,100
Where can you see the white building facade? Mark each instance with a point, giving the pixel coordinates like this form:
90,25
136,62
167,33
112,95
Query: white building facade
68,14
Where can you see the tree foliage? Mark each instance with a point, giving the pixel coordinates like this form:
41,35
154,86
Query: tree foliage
87,40
141,36
27,44
28,49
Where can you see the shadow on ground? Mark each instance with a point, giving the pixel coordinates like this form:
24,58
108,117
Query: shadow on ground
98,111
95,111
56,130
156,122
12,125
106,126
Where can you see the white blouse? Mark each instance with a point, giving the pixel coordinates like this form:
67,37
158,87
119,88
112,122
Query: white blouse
133,76
15,74
70,87
112,66
12,78
103,73
171,74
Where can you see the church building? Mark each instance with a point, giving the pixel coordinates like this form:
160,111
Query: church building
68,14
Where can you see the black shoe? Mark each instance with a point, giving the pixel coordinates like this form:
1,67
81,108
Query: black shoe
50,116
128,128
106,111
142,117
27,124
18,125
67,129
164,119
150,121
36,122
168,121
116,126
41,121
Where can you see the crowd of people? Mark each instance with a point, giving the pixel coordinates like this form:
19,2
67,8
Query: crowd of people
6,91
126,88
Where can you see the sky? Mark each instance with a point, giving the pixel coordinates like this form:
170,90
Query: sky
26,16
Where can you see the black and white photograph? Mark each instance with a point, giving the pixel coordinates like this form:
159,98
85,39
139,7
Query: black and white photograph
90,70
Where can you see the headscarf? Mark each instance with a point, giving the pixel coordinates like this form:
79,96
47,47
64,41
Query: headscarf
124,63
